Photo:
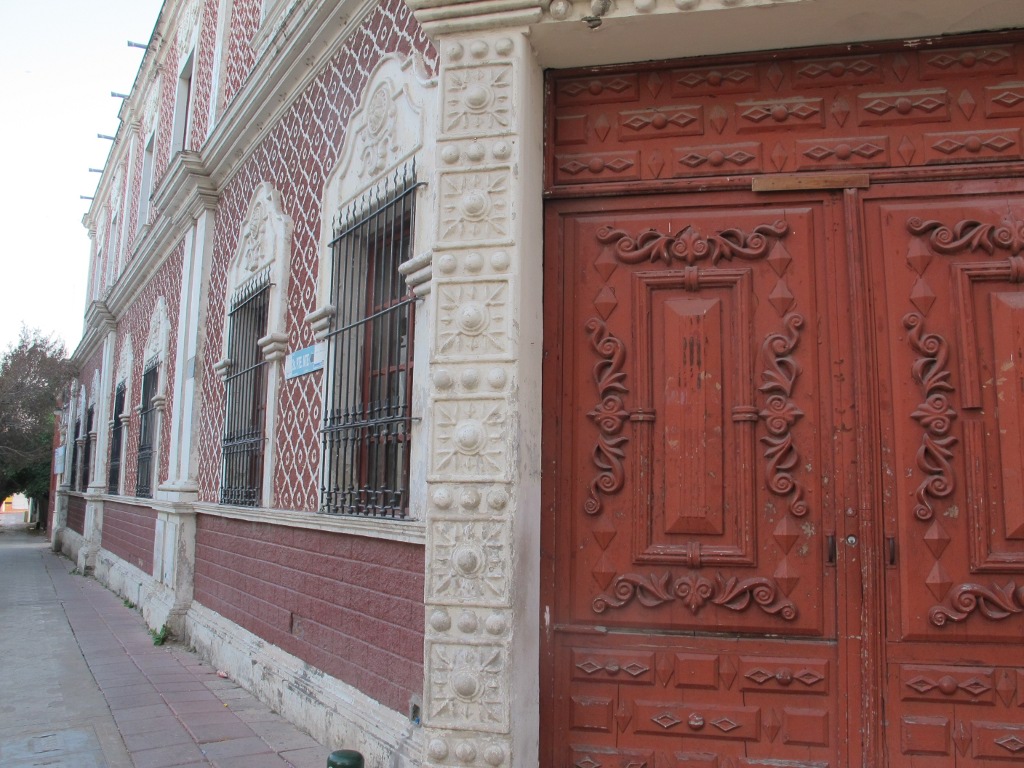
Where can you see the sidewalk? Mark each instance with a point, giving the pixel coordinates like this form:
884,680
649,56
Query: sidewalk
81,683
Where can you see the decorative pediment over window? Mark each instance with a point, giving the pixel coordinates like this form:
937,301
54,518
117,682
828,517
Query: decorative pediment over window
264,239
94,387
159,328
124,362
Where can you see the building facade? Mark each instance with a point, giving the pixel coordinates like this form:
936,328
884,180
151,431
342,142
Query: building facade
582,384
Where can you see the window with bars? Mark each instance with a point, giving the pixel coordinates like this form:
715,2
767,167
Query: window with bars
116,438
147,432
74,456
245,394
87,449
365,436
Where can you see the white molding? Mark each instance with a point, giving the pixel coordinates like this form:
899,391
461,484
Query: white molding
407,531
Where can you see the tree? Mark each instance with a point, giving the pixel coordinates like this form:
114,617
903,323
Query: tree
33,373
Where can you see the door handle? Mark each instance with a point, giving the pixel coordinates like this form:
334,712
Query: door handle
830,546
890,550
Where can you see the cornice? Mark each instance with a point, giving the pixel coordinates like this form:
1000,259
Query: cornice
185,190
99,321
439,17
307,38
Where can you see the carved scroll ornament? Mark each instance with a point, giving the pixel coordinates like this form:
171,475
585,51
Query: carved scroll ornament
934,414
780,412
689,246
696,592
993,602
970,235
609,415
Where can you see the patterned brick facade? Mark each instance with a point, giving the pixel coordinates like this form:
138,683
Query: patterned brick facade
348,605
296,158
76,514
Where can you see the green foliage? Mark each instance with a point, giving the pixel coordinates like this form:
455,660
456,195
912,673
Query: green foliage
160,636
129,604
33,373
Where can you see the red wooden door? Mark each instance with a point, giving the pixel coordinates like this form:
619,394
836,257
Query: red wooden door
697,466
945,264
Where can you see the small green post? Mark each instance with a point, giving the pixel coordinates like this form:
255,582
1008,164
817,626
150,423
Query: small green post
345,758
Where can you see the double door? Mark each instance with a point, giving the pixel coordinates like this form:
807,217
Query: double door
784,478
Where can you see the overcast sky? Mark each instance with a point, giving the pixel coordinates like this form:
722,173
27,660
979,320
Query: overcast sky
59,61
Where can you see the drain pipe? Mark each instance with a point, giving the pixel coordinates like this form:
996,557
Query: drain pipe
345,758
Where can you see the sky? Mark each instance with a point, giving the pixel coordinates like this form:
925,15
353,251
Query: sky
59,61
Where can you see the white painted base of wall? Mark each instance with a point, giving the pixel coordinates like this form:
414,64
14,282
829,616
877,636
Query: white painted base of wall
71,544
124,579
335,714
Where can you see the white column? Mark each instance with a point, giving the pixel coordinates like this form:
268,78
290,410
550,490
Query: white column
483,519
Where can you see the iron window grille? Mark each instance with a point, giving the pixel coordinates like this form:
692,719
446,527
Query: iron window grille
365,435
116,437
147,430
245,393
87,450
74,456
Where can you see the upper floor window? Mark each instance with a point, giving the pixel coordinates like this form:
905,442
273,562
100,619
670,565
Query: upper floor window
183,107
365,435
245,394
87,449
73,480
116,440
146,188
147,431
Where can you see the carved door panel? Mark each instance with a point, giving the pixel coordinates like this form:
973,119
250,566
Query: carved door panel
693,476
946,266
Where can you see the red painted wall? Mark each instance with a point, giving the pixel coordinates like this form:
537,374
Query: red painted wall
349,605
76,514
128,532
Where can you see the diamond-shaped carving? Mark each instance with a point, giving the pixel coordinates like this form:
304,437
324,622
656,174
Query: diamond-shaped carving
787,576
999,143
922,296
786,533
1005,687
759,676
961,737
602,127
606,263
936,539
779,259
635,669
573,167
1009,98
724,724
778,157
623,715
938,581
775,76
587,762
654,83
906,150
636,122
606,301
840,111
975,687
929,104
918,256
619,164
589,666
967,104
727,672
718,118
656,163
739,157
809,677
771,724
818,153
947,146
1010,743
900,66
693,159
666,720
603,533
921,684
781,298
603,572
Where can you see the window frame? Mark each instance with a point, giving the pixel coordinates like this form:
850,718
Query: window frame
148,426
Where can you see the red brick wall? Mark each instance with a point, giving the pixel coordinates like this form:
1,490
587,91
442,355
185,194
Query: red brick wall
128,532
348,605
76,514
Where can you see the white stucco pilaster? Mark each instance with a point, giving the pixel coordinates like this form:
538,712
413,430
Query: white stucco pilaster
482,572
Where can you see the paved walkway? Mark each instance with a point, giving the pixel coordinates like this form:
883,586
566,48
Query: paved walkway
81,683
